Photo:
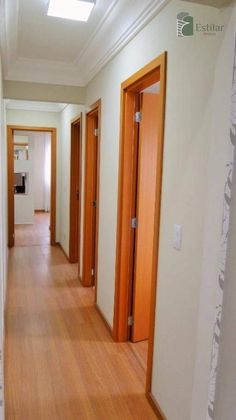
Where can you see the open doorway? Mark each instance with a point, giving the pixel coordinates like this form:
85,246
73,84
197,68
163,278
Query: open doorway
141,155
143,220
91,200
31,186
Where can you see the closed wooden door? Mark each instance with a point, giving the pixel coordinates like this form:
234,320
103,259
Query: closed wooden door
94,154
145,215
91,201
75,193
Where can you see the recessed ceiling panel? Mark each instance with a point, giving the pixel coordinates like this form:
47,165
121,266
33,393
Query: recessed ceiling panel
49,38
45,49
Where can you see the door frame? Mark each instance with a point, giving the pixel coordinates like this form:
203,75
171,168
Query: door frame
95,109
10,172
75,204
153,72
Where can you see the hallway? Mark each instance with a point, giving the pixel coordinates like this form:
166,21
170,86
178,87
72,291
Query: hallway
36,234
60,361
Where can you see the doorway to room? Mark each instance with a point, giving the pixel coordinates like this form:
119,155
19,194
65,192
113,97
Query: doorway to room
147,102
31,186
140,180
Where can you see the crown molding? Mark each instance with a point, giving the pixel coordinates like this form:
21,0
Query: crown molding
121,31
122,21
96,32
8,32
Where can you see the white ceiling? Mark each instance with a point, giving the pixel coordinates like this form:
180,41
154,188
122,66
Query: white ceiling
46,38
42,49
38,48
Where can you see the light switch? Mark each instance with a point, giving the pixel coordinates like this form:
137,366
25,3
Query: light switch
177,239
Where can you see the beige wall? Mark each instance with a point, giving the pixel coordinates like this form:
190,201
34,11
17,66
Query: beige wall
43,92
194,153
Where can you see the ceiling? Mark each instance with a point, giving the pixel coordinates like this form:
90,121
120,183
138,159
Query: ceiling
38,48
44,37
42,49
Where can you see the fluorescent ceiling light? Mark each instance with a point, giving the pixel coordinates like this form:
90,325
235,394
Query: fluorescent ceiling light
71,9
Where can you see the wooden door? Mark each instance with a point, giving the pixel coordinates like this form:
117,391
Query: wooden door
94,154
11,198
145,215
75,193
91,200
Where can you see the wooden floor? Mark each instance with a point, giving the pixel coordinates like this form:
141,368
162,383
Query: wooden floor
60,361
36,234
141,351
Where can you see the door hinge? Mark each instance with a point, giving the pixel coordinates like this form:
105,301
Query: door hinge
92,272
96,131
138,117
94,203
130,321
134,223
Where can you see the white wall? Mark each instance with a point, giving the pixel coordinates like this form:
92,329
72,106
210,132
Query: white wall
3,235
225,406
38,170
39,158
34,199
24,203
219,117
20,139
69,113
196,127
42,119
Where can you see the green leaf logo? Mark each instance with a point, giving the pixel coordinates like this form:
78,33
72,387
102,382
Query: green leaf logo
184,24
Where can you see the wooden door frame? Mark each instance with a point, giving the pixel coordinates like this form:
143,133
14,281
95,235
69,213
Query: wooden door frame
75,204
153,72
94,109
10,172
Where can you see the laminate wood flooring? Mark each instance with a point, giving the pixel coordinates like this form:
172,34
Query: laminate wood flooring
60,360
35,234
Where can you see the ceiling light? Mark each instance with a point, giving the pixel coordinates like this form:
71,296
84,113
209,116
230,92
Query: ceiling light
71,9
